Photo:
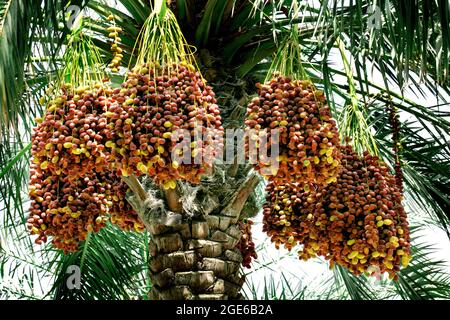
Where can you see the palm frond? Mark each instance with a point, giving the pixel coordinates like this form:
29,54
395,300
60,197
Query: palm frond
113,265
424,278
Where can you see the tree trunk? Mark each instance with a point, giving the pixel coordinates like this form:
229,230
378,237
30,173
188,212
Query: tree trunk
196,260
194,257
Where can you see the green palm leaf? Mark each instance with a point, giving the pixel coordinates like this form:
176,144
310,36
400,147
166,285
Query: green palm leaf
113,266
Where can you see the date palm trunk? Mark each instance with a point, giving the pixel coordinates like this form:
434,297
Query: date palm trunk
195,257
196,260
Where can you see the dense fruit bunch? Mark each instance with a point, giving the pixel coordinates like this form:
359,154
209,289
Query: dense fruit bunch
64,209
357,222
308,146
368,224
72,191
67,210
290,219
246,244
69,140
158,108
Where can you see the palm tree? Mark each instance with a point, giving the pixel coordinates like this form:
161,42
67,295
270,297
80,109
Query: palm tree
343,44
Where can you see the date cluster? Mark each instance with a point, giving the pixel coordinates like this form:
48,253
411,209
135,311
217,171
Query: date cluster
246,245
72,188
67,210
158,106
357,222
308,136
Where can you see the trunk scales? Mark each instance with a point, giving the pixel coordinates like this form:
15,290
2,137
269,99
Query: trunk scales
195,258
